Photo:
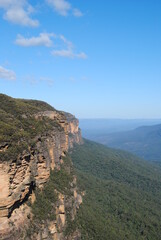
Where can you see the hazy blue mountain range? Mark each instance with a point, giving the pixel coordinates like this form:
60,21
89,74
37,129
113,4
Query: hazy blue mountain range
98,127
143,141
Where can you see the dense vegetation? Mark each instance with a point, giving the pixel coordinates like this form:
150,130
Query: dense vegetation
45,199
123,194
18,126
59,181
44,208
143,141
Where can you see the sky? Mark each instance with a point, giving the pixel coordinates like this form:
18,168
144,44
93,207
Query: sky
92,58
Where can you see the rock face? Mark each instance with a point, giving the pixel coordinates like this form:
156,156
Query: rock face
31,170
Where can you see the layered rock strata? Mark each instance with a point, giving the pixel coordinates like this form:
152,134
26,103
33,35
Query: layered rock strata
31,170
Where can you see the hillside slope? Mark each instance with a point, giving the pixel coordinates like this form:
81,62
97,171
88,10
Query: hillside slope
122,194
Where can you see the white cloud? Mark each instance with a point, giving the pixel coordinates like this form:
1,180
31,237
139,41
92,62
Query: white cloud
7,74
69,51
69,54
18,12
66,48
60,6
77,12
67,43
44,39
63,7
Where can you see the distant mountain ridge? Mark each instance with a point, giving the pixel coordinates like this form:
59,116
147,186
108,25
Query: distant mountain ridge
94,129
143,141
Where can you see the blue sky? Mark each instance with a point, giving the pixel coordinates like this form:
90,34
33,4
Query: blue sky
95,59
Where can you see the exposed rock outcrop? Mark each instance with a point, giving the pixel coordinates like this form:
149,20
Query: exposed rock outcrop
30,170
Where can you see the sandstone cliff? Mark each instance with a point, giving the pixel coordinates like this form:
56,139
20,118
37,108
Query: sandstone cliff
29,169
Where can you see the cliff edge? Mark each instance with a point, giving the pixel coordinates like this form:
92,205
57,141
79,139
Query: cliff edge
34,141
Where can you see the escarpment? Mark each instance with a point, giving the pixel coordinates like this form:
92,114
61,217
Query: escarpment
34,141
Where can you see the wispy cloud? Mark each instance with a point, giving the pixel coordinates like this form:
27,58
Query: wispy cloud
65,48
68,52
77,12
18,12
60,6
33,80
49,81
63,7
7,74
44,39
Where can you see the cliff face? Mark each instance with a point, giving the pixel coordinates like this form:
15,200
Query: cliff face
19,177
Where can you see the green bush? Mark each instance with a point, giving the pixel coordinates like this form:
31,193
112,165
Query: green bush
44,206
